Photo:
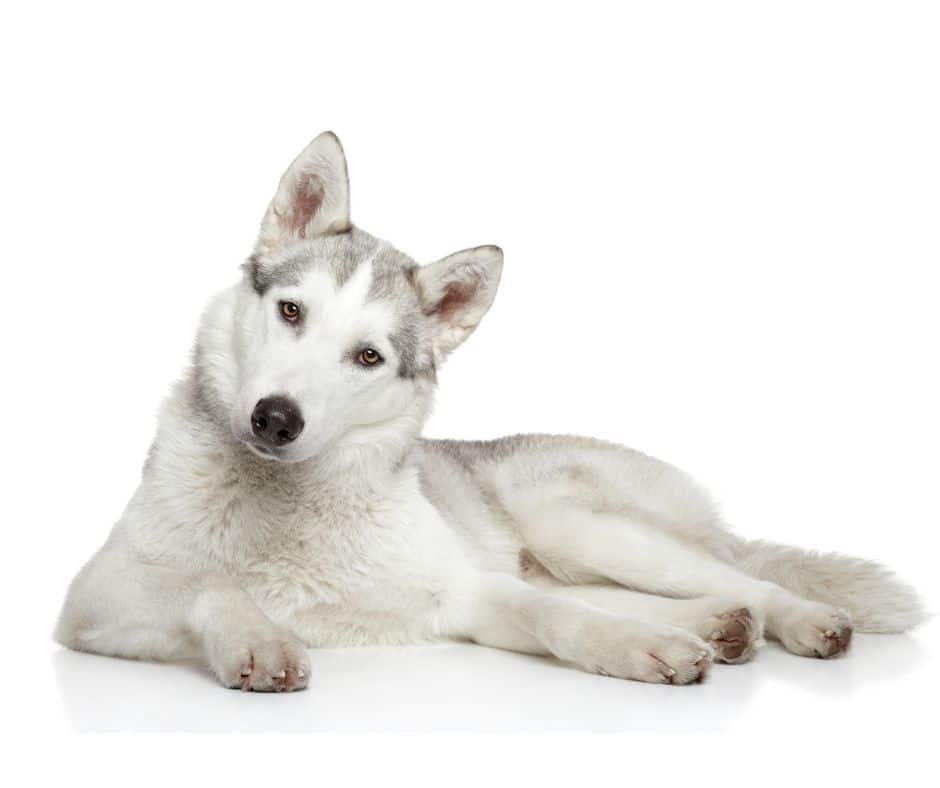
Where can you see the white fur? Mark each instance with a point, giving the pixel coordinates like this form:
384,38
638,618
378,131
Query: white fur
360,533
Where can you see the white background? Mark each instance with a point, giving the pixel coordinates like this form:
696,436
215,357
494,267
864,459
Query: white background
721,238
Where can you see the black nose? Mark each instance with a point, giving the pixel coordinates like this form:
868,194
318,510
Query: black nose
276,421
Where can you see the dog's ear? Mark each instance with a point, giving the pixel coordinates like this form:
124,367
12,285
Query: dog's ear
456,292
312,198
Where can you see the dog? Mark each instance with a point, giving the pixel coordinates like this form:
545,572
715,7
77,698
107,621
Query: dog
288,500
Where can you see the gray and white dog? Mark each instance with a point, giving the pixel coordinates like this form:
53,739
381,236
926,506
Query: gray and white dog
289,502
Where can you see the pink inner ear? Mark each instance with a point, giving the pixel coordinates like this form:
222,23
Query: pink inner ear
456,297
308,197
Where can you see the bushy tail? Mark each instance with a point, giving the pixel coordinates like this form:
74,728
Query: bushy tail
876,599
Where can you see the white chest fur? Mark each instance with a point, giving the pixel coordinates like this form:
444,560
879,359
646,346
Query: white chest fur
368,560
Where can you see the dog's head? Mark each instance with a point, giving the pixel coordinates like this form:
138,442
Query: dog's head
337,335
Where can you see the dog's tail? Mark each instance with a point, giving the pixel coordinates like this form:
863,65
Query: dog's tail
875,598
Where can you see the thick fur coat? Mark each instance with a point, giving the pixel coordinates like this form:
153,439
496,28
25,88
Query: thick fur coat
289,502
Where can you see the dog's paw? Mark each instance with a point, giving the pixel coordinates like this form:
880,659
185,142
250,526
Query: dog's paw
816,631
677,658
259,665
667,656
733,634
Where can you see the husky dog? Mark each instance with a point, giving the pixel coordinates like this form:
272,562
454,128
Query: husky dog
288,501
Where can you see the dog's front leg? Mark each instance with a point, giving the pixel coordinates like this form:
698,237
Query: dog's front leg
120,606
242,646
502,611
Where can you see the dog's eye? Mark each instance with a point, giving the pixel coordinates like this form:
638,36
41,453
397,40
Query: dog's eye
369,357
289,311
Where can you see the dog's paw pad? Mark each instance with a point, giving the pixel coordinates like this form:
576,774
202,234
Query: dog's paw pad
734,636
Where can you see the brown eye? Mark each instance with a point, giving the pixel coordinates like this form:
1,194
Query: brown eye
369,357
290,311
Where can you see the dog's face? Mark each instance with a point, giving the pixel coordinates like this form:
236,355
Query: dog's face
339,333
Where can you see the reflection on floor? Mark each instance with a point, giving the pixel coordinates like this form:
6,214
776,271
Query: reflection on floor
461,688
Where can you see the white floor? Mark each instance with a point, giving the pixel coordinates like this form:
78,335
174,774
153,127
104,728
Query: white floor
469,688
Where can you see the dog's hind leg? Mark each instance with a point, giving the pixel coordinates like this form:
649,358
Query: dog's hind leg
581,546
731,630
499,610
120,606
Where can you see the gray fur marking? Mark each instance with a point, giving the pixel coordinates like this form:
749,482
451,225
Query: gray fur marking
201,393
341,254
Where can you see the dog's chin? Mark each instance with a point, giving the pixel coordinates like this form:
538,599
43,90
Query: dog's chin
260,450
263,452
286,456
300,451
